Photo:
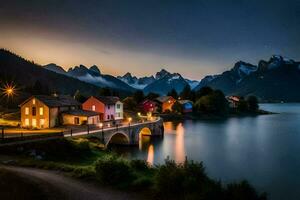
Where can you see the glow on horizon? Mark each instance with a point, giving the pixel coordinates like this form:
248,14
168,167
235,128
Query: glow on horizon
110,59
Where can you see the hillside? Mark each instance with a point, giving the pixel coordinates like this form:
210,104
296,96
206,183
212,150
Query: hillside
26,74
277,79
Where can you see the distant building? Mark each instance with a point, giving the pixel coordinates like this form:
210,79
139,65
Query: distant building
233,101
148,106
166,102
42,111
109,108
187,105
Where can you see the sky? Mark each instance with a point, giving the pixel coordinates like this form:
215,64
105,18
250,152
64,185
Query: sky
191,37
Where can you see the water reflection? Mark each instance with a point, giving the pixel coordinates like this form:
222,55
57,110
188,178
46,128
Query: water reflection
150,157
179,144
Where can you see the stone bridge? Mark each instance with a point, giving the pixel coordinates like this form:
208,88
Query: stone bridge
129,134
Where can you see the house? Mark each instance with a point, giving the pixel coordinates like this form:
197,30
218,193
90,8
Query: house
187,105
233,101
109,108
42,111
79,117
148,106
166,102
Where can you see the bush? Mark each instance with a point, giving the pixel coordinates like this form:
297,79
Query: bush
242,190
114,171
139,165
181,180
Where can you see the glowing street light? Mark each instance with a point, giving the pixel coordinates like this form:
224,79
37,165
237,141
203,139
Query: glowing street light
9,90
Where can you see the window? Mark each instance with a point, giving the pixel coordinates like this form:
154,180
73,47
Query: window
33,122
41,111
26,122
26,110
112,116
76,120
108,107
42,123
118,106
33,101
107,117
93,107
33,111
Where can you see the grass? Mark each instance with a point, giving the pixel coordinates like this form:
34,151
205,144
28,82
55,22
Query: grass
84,159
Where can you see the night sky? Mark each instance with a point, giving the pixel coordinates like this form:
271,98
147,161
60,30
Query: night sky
194,38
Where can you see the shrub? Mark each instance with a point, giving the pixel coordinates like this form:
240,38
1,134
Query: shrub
139,165
112,170
242,190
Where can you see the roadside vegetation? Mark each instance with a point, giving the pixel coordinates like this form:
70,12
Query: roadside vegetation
85,159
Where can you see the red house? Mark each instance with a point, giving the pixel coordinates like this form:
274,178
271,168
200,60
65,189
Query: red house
148,106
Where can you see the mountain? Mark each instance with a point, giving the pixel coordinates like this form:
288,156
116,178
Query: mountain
25,74
144,82
91,75
138,83
55,68
192,83
166,83
277,79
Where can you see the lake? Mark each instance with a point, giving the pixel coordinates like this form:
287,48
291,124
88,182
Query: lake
264,149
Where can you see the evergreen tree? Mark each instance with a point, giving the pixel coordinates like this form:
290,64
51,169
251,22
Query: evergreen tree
173,94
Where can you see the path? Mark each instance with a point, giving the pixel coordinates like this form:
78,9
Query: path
58,186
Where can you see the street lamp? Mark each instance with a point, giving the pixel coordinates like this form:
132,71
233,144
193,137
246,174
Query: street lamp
129,120
9,90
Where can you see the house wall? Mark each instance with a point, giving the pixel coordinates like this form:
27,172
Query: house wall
187,107
29,117
70,119
109,113
99,106
53,117
119,110
149,106
93,119
168,104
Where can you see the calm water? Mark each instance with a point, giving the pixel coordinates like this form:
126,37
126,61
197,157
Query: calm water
264,150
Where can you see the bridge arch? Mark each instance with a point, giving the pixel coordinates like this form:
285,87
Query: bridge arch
142,132
119,138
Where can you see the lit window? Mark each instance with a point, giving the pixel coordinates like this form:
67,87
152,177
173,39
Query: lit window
42,122
93,107
41,111
26,122
26,111
33,122
33,101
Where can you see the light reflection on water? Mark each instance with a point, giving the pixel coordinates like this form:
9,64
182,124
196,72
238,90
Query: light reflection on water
264,149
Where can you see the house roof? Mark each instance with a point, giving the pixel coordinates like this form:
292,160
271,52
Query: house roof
185,101
55,101
163,99
85,113
108,100
148,100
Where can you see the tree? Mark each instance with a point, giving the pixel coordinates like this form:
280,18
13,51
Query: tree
252,103
138,96
129,103
213,103
173,94
203,92
177,108
186,93
242,105
79,97
152,96
105,91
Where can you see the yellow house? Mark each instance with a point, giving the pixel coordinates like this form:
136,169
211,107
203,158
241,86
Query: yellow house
42,111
